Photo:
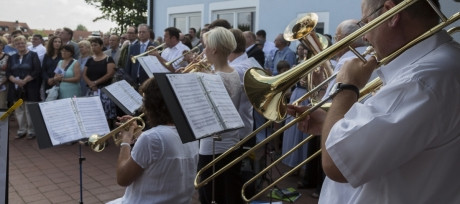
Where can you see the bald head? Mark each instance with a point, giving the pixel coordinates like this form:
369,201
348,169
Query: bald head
347,27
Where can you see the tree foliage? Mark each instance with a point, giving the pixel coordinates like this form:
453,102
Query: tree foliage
81,27
123,12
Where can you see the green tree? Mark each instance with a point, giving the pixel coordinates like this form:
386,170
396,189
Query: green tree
81,27
123,12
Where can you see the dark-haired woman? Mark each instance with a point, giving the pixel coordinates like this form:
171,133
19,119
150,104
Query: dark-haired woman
98,73
68,74
50,61
160,168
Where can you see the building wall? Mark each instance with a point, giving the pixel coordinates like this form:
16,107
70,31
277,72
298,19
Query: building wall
274,15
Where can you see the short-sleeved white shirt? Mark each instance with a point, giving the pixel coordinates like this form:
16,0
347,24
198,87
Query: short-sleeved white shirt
403,144
169,168
172,53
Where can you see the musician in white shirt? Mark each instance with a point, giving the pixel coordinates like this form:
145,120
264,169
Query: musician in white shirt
174,49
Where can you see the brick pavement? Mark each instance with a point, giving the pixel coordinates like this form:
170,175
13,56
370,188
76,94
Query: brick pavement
52,175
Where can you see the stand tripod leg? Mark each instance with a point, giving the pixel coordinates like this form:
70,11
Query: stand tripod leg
215,138
80,161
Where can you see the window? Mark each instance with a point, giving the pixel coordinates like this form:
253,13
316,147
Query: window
238,18
185,21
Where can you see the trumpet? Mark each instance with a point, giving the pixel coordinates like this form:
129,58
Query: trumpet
186,52
98,144
202,65
134,58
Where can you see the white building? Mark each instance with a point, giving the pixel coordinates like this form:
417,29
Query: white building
271,15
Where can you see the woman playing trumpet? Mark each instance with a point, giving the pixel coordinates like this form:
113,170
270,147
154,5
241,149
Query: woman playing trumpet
158,157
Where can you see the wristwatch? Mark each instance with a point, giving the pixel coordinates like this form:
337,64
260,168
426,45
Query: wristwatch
341,86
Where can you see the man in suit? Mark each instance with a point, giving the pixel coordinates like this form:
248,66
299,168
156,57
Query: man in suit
66,37
134,70
114,51
252,50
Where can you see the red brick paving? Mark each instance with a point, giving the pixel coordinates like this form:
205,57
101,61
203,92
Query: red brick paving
42,176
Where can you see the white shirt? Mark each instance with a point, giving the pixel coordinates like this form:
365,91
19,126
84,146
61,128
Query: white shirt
349,55
40,50
403,144
229,139
241,64
169,168
174,52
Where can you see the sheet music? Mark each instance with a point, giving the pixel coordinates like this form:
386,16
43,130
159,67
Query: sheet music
126,95
60,120
195,104
151,65
218,94
92,116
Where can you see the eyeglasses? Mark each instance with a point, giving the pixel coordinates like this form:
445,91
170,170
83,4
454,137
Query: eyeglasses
363,21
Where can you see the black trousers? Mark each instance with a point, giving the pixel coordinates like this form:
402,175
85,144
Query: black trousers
227,185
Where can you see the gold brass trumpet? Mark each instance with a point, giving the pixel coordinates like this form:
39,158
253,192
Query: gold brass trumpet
186,52
202,65
134,58
97,143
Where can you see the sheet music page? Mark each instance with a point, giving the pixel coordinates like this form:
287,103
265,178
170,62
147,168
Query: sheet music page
195,104
92,116
151,65
126,94
219,95
60,120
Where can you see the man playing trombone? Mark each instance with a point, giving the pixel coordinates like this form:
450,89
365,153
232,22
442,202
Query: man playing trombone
174,49
402,144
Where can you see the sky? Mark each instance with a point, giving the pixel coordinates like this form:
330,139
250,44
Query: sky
52,14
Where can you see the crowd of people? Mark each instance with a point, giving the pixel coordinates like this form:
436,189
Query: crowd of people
382,150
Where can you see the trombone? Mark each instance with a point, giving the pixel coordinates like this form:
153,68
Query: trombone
134,58
266,93
98,144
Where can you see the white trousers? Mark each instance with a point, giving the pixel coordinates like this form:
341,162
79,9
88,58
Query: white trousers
24,120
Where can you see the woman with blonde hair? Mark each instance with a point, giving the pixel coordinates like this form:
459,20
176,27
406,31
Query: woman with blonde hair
23,71
85,54
219,43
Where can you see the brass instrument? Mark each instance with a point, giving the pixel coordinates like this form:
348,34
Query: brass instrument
202,65
266,93
186,52
97,143
453,30
134,58
368,89
302,29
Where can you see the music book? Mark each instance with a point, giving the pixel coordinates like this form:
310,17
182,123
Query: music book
151,65
205,108
67,120
124,96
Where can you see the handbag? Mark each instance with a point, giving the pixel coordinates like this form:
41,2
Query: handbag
53,93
